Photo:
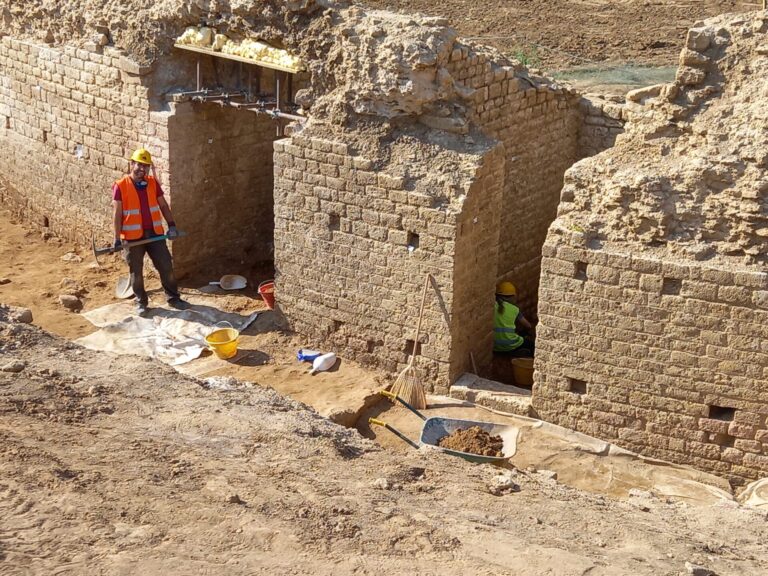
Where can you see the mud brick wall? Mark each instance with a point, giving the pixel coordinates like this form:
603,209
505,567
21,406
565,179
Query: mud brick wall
664,357
345,276
538,123
68,119
474,280
222,176
603,121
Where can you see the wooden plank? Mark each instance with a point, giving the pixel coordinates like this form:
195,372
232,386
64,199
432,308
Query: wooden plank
236,58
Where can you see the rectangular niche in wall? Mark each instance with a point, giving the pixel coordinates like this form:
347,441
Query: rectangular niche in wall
671,286
580,272
577,386
413,241
409,345
724,413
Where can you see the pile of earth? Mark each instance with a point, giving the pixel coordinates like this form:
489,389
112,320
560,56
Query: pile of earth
473,440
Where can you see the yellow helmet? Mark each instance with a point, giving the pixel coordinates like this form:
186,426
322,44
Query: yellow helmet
506,289
142,156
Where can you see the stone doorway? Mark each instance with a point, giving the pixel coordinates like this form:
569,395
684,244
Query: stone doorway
221,167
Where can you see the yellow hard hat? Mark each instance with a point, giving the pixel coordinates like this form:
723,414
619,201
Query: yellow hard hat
142,156
506,289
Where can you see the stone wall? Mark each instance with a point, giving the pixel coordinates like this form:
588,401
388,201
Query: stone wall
474,280
69,118
603,120
538,123
346,276
665,357
222,176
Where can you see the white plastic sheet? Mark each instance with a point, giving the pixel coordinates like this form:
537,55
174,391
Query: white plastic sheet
171,336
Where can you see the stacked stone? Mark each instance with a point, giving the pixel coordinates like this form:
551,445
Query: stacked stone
68,118
538,122
353,246
666,357
604,120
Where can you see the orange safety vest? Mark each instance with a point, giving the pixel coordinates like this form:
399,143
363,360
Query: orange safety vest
132,228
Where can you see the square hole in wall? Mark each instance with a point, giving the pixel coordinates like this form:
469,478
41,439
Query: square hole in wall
671,286
409,348
577,386
724,440
7,122
45,136
723,413
581,271
413,241
335,222
337,324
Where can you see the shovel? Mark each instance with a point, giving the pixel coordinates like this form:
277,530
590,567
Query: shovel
123,288
231,282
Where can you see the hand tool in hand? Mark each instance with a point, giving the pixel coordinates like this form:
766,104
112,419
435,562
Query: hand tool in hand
125,245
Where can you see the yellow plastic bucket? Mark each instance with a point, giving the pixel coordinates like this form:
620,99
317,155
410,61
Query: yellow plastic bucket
522,369
223,342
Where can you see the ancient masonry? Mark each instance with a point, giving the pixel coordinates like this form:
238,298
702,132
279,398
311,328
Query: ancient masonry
653,300
464,187
450,163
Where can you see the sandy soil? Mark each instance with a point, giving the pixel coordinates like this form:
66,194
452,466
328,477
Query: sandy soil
564,33
120,465
266,355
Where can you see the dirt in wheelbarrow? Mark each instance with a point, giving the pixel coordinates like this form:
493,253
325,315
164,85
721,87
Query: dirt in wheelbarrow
473,440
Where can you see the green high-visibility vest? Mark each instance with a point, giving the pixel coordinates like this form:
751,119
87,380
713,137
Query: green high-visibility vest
505,336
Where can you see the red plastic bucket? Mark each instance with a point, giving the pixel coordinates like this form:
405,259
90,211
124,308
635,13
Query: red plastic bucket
267,293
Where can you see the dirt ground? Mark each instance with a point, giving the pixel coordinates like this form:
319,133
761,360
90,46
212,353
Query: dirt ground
560,34
120,465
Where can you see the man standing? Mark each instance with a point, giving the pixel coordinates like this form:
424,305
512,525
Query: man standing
139,204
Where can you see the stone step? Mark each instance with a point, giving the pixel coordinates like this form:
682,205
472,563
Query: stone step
491,394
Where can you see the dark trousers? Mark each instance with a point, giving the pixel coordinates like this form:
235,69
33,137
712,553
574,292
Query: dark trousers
161,257
526,350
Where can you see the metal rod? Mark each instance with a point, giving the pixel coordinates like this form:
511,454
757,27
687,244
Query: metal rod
199,78
277,90
289,116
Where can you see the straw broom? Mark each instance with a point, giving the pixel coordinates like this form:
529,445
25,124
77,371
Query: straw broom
408,386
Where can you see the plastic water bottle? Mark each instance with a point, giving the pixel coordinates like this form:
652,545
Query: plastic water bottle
323,363
305,355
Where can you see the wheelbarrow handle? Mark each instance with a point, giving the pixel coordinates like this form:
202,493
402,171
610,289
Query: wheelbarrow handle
393,397
394,431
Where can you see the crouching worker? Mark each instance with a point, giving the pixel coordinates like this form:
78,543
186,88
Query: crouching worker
509,325
139,209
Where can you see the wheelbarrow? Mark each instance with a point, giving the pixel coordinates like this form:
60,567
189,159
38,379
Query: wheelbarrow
436,428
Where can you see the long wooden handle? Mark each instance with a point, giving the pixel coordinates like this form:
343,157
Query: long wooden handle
421,315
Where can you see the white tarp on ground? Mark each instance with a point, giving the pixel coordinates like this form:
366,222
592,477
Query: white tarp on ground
171,336
756,494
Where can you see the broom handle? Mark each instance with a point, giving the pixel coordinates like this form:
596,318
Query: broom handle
421,314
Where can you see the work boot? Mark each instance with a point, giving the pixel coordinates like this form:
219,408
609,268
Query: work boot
178,304
141,309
